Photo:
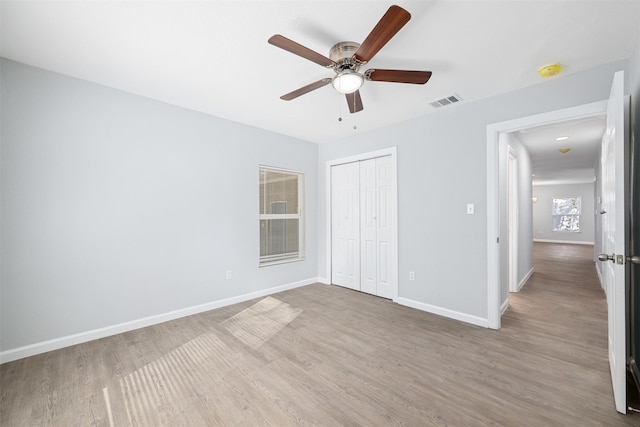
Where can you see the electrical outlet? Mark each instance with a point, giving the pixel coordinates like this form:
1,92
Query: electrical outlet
412,275
470,208
228,274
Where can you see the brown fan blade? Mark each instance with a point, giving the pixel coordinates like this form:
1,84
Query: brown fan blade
289,45
354,101
398,76
305,89
385,29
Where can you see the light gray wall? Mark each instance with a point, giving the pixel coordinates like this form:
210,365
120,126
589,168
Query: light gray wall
441,168
542,220
525,211
116,207
525,214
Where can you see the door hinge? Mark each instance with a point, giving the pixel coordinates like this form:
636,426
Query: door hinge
498,240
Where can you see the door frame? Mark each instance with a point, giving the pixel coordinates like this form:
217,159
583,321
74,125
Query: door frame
493,195
512,209
392,152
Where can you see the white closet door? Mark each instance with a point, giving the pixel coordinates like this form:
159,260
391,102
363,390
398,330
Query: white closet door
361,224
368,227
375,227
385,284
345,225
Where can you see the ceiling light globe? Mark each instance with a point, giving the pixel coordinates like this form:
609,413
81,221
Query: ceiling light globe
347,82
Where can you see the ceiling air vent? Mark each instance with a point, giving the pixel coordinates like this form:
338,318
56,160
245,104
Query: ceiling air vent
446,101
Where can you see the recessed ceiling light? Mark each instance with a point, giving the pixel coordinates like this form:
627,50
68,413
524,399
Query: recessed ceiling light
562,138
564,150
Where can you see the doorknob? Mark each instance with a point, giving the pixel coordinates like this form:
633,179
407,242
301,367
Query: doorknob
630,259
605,257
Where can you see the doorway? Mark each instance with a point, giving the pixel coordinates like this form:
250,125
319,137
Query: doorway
496,286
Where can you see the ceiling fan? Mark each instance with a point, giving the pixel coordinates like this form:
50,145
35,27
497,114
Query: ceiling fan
346,58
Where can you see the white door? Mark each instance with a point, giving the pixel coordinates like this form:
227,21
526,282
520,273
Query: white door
345,225
362,226
368,227
613,233
376,227
385,283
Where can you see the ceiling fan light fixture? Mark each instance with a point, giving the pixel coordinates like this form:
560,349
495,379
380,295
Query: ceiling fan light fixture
348,81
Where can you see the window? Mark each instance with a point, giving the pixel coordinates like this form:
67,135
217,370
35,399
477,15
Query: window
566,213
281,216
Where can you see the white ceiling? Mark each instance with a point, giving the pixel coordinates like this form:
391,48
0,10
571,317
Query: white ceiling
214,56
550,166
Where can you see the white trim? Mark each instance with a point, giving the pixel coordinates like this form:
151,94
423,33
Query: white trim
493,208
504,306
324,280
391,151
280,216
445,312
567,181
512,217
524,280
493,229
69,340
569,242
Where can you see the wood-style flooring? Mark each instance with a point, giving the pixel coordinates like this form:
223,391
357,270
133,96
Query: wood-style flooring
324,355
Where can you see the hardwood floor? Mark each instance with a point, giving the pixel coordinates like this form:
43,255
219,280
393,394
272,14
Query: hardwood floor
324,355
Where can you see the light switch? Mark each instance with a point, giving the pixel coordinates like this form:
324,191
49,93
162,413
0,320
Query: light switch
470,208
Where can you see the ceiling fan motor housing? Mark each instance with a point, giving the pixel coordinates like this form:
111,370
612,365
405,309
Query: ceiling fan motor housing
342,54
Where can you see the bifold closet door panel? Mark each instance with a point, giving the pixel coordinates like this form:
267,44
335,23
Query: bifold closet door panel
345,225
368,227
384,233
375,226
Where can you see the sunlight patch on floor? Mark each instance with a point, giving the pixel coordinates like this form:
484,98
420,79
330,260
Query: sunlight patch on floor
173,378
257,324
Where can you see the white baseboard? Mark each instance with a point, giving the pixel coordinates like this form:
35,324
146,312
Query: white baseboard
57,343
324,280
445,312
504,306
524,280
570,242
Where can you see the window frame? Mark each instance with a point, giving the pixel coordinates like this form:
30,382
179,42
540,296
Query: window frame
554,215
300,255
